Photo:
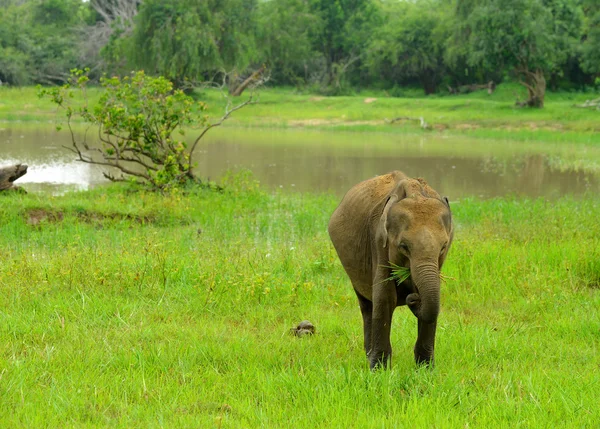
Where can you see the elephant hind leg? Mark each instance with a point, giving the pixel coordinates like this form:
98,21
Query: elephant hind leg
366,309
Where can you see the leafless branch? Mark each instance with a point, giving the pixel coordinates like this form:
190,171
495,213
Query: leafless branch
250,80
354,57
116,15
228,111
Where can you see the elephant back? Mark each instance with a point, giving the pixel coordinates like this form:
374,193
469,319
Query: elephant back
353,223
361,203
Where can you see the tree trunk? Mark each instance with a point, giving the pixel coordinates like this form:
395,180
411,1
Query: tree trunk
9,174
245,84
428,82
535,82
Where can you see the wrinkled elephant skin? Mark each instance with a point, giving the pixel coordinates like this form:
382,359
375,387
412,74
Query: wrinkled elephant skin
393,219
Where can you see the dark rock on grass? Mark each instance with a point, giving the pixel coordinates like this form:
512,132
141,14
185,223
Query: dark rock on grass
303,328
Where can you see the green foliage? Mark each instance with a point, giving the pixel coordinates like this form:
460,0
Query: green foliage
138,119
410,45
188,40
53,12
591,45
39,40
528,37
285,34
13,66
330,46
345,31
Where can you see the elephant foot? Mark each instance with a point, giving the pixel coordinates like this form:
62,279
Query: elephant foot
424,359
379,361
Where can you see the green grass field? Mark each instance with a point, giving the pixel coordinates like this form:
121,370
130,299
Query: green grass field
476,114
128,309
122,308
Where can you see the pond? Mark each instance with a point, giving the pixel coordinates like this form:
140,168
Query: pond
333,161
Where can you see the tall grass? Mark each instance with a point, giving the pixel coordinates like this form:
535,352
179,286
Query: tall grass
127,309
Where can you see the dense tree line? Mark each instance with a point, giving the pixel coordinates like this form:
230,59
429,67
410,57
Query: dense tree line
330,46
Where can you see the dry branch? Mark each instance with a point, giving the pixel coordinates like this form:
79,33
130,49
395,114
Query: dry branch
116,16
228,111
255,76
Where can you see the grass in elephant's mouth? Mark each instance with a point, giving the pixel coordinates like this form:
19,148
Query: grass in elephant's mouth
184,321
399,274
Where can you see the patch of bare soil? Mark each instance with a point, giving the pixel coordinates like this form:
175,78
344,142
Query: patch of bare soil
439,127
369,100
547,126
316,98
466,126
35,217
594,284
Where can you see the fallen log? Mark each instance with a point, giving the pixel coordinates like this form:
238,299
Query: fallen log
9,174
590,103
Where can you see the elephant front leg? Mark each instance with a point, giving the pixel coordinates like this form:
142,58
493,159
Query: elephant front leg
425,344
384,303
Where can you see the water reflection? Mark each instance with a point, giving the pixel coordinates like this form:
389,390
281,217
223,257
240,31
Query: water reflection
308,169
51,166
323,161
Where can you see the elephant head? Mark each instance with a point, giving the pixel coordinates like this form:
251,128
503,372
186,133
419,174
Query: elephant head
415,231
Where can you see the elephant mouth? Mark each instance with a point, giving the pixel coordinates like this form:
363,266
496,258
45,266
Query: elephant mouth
398,273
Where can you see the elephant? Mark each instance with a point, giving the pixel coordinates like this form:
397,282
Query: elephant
385,220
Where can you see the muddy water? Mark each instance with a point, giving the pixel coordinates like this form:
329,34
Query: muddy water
333,161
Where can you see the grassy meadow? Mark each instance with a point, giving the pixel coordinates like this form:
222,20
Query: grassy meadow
122,308
477,114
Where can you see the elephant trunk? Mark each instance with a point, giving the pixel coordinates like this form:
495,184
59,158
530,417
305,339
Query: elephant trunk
426,277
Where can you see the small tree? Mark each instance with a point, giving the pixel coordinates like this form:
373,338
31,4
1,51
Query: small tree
531,38
140,121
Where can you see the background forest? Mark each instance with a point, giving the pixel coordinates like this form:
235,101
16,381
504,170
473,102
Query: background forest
327,46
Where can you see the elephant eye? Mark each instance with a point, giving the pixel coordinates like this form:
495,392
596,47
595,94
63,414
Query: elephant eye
443,248
403,246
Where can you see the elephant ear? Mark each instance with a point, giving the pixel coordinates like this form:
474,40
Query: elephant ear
445,199
450,223
393,199
396,195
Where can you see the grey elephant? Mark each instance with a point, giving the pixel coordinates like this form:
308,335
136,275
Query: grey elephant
393,219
